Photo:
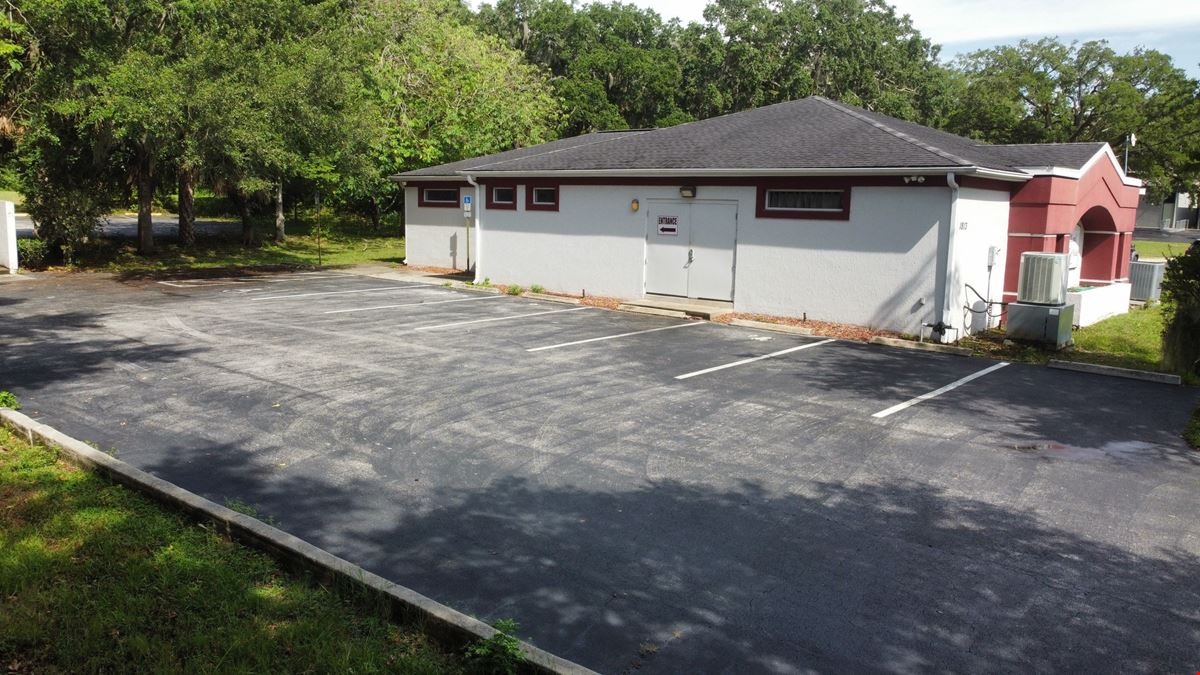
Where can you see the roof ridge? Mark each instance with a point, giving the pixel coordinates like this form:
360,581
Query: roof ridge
928,147
615,137
1013,145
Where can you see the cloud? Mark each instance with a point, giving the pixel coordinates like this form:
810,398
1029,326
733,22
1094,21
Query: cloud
951,22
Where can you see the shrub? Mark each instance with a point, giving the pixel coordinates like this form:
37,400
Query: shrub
9,400
65,217
537,288
514,290
1181,309
500,653
32,253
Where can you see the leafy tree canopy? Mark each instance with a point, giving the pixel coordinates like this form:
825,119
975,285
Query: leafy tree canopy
1050,92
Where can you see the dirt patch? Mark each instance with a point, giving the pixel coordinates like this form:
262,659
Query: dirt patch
841,331
446,271
599,301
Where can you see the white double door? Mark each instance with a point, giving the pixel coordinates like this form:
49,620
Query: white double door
689,249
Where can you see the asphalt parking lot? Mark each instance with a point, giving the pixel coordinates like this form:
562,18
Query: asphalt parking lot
646,493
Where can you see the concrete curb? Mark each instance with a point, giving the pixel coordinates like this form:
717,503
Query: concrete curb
447,625
1113,371
566,300
766,325
920,346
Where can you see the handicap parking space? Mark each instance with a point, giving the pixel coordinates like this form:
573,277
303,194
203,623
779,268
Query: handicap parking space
610,480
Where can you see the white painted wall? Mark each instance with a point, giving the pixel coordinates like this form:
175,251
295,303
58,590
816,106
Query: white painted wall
8,237
595,242
877,269
982,223
435,237
880,268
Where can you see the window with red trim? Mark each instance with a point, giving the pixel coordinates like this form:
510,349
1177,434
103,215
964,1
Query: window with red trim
803,201
437,196
503,196
542,197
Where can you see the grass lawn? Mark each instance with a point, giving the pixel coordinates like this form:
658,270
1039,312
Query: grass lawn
348,241
96,578
1132,340
1160,249
12,196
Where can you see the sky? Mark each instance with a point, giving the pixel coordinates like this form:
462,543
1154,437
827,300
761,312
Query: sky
960,26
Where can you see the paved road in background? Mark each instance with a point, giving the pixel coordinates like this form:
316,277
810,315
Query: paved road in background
1166,235
165,225
647,494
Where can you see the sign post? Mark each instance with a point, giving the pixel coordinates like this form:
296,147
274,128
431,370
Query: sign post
466,202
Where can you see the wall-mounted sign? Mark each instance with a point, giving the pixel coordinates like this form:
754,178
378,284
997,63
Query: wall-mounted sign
668,225
466,200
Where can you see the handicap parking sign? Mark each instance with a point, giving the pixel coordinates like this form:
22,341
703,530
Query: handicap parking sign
466,200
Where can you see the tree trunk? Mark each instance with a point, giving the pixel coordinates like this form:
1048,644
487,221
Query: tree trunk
279,233
187,207
145,219
242,202
375,217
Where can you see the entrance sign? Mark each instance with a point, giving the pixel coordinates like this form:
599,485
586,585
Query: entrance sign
668,225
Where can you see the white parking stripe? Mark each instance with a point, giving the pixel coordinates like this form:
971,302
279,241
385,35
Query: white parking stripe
500,318
614,337
233,281
411,304
752,360
357,290
938,392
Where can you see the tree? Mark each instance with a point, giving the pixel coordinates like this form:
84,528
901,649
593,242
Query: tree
1048,92
1181,303
613,66
750,53
445,93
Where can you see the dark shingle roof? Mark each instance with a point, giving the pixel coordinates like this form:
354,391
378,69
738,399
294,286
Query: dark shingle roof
444,170
1065,155
810,133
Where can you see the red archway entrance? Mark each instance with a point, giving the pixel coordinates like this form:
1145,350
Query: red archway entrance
1044,212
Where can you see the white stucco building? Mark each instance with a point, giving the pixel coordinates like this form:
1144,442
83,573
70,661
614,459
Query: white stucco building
803,208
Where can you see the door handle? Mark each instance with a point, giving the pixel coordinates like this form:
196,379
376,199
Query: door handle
691,256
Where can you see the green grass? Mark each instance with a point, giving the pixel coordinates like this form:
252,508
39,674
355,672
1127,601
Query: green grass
1132,340
12,196
96,578
1160,249
348,241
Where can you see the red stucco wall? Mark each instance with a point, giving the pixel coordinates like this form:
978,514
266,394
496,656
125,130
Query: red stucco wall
1044,211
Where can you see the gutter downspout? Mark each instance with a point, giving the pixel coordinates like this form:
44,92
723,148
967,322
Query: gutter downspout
948,292
478,209
403,186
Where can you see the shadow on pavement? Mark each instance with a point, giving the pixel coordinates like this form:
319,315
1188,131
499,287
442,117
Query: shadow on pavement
675,577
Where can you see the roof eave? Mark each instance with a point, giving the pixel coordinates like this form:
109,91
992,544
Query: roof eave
1105,152
428,178
983,172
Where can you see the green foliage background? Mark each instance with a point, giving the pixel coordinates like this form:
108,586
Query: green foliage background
105,101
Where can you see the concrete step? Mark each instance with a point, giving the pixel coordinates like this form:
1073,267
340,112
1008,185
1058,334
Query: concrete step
656,311
701,309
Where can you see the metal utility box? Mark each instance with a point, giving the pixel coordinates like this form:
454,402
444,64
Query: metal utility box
1049,324
1146,279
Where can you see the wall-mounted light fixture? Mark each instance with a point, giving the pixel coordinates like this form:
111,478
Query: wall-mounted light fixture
687,191
635,205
